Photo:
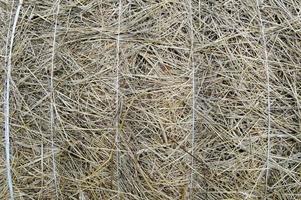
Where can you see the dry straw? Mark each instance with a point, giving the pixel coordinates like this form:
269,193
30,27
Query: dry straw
137,99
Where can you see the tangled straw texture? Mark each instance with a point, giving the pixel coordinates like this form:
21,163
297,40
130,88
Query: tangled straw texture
152,99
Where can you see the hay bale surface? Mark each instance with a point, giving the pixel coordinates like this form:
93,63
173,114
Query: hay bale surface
142,99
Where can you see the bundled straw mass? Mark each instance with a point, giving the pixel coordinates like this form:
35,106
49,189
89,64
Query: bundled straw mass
150,99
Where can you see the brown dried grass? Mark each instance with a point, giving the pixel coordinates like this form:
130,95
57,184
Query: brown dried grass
143,99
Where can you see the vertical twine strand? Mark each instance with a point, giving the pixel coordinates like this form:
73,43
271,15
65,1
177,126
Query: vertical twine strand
117,136
7,104
52,100
268,86
191,60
